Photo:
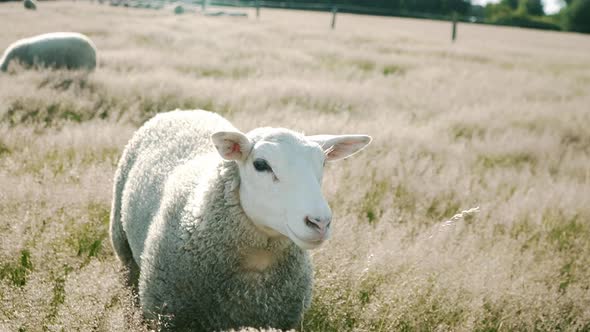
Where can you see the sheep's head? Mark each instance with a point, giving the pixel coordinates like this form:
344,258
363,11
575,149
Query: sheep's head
281,176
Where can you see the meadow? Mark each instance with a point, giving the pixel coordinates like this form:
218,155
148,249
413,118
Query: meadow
499,119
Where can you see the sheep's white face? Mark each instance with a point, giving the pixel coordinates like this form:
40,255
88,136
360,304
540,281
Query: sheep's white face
281,176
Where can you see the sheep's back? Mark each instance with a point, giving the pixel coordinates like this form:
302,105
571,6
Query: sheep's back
58,50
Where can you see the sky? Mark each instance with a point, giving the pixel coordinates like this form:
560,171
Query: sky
551,6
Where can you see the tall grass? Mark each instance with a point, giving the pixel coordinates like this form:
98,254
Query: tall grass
497,120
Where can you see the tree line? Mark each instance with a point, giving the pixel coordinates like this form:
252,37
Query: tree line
574,16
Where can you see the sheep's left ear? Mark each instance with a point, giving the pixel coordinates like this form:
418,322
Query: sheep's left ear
232,145
338,147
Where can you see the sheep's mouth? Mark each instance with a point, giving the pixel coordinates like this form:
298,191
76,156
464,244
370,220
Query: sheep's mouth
311,243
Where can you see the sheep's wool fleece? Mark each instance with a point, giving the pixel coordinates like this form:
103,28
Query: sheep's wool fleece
70,50
186,230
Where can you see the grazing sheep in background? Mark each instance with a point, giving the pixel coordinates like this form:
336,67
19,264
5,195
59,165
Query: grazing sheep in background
30,4
69,50
216,222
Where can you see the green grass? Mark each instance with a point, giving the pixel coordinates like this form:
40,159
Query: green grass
508,160
16,272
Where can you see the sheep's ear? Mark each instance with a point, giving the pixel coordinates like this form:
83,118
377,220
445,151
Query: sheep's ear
338,147
232,145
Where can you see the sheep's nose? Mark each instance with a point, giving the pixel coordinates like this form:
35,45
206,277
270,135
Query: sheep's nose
318,224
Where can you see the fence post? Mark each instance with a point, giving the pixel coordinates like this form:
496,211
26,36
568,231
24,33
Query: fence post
454,34
334,11
257,9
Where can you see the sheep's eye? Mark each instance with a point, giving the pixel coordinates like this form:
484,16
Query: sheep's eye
262,166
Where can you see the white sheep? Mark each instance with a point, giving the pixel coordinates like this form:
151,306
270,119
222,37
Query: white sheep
216,222
69,50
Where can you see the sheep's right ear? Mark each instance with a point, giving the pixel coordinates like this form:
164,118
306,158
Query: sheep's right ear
232,145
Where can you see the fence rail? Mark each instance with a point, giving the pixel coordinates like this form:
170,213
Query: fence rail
327,7
312,6
332,7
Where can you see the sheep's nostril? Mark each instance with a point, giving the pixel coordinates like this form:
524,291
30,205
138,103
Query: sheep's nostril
310,222
320,225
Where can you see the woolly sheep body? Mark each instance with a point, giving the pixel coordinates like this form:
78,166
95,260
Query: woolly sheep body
58,50
177,218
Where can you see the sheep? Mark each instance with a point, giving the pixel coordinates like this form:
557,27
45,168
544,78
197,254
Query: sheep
30,4
69,50
214,225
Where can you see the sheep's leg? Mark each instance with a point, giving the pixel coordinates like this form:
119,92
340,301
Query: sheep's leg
123,251
118,236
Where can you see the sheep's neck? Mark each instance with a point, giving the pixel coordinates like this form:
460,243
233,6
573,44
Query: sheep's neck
257,260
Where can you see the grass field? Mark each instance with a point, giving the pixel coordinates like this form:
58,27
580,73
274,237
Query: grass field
500,120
